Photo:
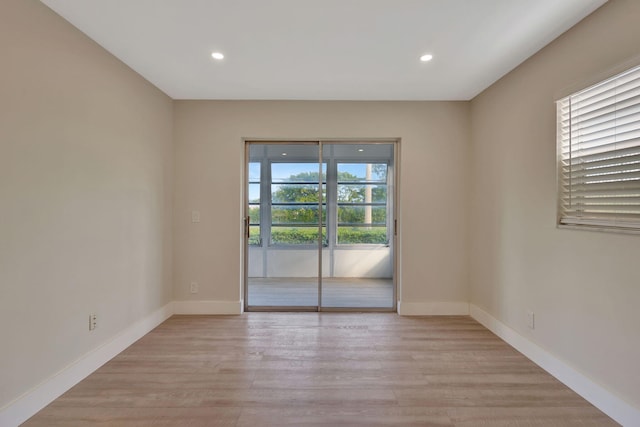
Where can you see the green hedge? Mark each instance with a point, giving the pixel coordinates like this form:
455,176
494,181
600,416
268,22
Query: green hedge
295,236
254,235
309,236
355,235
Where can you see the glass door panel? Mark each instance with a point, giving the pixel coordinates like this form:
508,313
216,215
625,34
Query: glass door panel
285,184
358,261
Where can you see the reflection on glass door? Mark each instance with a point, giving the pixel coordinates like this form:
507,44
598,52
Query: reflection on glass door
319,226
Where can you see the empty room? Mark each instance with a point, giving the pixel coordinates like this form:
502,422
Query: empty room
302,212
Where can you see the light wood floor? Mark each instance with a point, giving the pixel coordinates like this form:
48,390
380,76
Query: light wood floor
320,369
336,292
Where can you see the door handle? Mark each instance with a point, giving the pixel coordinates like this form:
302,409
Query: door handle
247,222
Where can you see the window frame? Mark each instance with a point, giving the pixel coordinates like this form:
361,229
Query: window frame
259,222
385,204
267,208
329,203
590,153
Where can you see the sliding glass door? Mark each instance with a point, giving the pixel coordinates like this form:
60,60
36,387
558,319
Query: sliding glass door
318,232
358,271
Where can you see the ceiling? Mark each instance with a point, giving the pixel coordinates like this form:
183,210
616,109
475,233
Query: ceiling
323,49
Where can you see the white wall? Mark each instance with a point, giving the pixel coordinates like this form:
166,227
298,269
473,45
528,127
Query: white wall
433,186
85,196
584,287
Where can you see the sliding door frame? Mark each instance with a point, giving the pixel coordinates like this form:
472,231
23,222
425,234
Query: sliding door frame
395,142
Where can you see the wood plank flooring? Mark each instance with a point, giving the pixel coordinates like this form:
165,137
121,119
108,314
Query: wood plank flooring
320,369
336,292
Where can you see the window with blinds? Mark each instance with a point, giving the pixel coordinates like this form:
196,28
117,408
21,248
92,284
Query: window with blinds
599,155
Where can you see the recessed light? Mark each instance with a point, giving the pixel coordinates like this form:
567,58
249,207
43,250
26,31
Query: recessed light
217,55
360,150
284,154
427,57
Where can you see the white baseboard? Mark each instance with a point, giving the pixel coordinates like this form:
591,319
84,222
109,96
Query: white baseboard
448,308
27,405
621,411
207,307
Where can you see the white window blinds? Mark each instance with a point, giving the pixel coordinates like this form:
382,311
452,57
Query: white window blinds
599,154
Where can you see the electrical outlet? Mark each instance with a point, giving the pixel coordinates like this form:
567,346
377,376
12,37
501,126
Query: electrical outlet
531,320
93,321
194,287
195,216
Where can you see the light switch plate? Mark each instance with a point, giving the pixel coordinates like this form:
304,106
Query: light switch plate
195,216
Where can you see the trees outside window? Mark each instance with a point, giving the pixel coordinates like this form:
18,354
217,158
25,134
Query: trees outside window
358,191
361,203
294,203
